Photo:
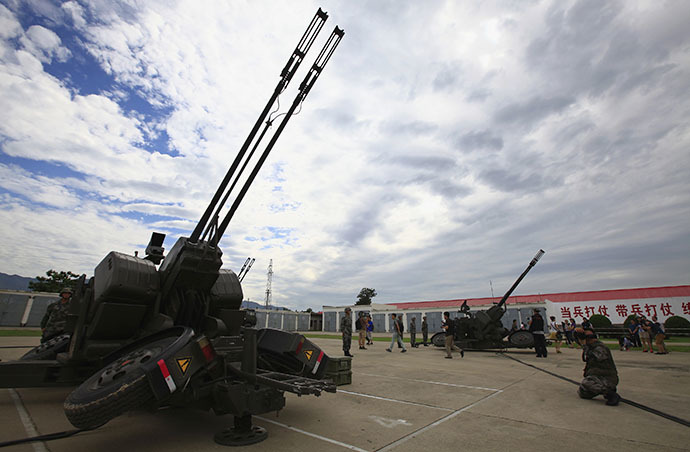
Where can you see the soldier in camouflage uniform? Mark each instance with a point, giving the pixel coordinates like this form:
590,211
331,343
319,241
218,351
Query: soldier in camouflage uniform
601,376
55,319
346,330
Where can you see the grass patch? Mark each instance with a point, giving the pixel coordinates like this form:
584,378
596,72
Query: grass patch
7,333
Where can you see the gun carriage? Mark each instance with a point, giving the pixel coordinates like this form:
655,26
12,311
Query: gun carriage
167,330
483,329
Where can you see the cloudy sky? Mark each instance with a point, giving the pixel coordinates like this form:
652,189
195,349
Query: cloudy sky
443,145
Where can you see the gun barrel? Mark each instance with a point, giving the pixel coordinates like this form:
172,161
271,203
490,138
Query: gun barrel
286,75
534,261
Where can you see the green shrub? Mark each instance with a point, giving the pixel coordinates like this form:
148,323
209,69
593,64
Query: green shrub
600,321
677,322
629,320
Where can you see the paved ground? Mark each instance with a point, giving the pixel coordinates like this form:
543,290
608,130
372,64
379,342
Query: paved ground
406,402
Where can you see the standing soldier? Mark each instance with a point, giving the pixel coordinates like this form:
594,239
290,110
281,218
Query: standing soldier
346,329
55,319
425,331
413,332
601,376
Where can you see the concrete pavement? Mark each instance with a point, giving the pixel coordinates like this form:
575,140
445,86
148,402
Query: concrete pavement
406,402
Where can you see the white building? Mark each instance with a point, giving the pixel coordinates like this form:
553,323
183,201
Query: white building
617,304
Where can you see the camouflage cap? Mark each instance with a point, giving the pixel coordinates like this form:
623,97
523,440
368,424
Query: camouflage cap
66,290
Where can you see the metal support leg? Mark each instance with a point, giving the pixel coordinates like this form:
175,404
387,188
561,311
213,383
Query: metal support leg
242,434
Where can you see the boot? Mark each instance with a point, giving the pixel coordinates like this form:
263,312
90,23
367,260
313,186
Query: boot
612,398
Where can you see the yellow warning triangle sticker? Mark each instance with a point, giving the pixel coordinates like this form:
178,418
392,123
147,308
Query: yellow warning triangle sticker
308,353
183,364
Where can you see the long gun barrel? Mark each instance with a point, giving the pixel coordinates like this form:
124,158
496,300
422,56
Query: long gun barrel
534,261
286,75
304,89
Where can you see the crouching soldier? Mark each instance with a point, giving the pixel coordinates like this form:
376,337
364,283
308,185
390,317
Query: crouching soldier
55,319
601,376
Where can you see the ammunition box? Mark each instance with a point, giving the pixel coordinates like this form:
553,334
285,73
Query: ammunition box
226,292
338,365
125,279
340,379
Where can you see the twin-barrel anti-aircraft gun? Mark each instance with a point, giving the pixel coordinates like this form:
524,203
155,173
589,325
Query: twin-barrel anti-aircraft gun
167,330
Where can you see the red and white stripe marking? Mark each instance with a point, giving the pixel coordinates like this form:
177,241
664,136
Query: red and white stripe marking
318,362
166,375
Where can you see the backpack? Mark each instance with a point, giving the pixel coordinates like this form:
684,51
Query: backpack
358,324
402,326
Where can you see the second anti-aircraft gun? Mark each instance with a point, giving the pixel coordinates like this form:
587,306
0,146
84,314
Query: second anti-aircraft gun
167,330
483,329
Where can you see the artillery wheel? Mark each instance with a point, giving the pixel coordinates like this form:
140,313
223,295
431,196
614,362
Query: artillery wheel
49,349
439,339
521,339
119,387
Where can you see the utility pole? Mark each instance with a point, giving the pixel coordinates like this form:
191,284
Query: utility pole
268,284
492,288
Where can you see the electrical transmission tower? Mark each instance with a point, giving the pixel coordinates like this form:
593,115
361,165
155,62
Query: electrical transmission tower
268,284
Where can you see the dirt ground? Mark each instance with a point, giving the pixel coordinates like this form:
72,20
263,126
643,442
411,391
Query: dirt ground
404,402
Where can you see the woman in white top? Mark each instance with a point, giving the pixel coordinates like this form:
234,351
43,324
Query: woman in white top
556,335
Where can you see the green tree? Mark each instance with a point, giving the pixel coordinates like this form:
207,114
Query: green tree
54,281
677,322
365,296
600,321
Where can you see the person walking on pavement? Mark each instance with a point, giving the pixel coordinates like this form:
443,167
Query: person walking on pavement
55,319
401,330
370,330
536,327
413,333
425,331
601,376
397,335
346,330
449,328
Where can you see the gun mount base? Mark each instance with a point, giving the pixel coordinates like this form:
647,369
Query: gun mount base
242,434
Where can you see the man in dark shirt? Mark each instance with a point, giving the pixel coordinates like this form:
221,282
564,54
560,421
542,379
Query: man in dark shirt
536,327
634,328
449,328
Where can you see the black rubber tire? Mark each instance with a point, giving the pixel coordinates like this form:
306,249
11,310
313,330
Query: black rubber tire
49,349
521,339
439,339
117,388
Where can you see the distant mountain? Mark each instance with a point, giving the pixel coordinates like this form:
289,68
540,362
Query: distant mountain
252,305
14,282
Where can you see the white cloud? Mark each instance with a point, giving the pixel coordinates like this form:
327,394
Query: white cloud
577,150
44,44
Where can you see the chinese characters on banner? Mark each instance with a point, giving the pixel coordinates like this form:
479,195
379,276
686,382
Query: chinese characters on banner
618,310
